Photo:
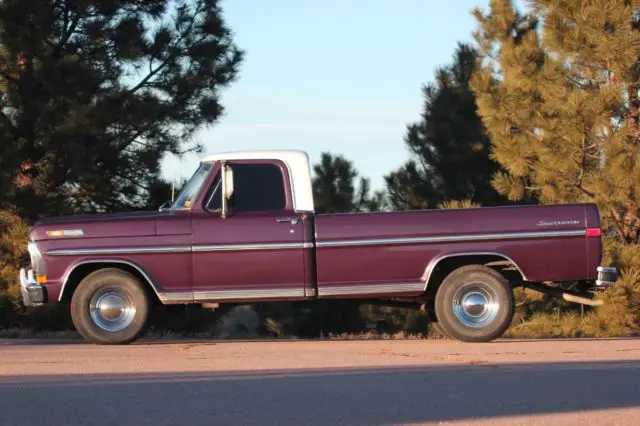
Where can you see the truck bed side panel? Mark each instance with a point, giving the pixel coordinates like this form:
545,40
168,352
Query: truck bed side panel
389,252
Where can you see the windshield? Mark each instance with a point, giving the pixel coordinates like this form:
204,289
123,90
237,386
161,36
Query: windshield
190,191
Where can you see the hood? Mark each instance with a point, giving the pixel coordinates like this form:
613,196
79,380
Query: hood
127,224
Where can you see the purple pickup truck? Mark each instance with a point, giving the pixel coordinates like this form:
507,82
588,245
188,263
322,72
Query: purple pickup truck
244,230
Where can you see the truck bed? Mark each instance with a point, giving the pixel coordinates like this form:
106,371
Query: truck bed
398,249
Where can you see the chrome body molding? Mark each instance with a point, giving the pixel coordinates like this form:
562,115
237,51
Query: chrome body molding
118,250
371,289
237,247
432,266
216,295
37,261
454,238
177,297
285,246
179,249
118,261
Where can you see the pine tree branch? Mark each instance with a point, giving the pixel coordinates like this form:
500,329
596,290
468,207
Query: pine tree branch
131,140
582,164
68,31
617,222
164,63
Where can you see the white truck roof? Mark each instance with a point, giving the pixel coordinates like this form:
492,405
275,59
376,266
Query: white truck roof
297,163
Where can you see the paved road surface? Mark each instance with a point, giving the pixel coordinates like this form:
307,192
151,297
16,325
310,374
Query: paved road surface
587,382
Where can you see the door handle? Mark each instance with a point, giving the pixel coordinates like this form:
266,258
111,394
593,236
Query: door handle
291,220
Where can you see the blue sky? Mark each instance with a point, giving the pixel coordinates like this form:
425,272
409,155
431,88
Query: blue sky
336,75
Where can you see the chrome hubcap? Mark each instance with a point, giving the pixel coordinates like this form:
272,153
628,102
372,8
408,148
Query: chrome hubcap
475,306
112,310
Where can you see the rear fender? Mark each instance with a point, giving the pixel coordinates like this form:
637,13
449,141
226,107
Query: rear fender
428,273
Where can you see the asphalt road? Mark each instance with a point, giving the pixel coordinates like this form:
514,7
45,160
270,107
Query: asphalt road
581,382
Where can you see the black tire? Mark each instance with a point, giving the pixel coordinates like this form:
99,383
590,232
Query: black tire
438,329
120,288
473,323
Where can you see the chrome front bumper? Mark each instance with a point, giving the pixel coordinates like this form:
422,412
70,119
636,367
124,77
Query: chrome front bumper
33,294
607,277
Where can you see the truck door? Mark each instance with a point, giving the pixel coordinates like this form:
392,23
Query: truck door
258,251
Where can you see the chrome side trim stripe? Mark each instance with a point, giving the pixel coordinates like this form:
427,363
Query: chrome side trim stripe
234,247
182,297
218,295
371,289
179,249
119,250
453,238
214,295
286,246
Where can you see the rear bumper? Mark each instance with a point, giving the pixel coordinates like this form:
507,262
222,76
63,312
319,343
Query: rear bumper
33,294
607,277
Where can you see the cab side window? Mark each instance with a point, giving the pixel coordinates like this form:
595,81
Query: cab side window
256,187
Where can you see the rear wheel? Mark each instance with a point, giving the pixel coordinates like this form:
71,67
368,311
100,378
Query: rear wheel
474,304
110,306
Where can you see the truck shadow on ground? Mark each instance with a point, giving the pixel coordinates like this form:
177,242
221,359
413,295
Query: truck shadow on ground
353,396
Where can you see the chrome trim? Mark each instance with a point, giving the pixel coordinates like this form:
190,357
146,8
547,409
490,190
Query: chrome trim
291,220
452,238
214,295
112,309
432,266
36,258
211,198
179,249
234,247
28,282
368,289
178,297
223,195
607,276
124,262
475,306
118,250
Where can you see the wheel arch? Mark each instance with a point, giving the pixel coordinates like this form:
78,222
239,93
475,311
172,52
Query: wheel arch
441,265
81,269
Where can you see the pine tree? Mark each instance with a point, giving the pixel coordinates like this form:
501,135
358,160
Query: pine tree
95,93
561,104
449,147
335,190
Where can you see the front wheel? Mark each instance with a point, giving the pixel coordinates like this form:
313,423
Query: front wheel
475,304
110,306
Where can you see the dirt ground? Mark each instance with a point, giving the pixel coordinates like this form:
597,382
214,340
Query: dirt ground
379,382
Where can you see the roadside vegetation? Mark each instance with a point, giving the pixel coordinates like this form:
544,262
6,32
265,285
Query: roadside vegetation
542,107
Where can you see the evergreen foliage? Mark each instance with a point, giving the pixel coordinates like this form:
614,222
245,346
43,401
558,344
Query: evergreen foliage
450,151
558,93
335,190
94,93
